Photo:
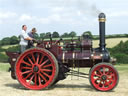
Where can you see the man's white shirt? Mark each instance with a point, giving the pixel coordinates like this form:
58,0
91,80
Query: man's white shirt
22,38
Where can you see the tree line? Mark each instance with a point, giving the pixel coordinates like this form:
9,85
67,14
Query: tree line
120,52
15,39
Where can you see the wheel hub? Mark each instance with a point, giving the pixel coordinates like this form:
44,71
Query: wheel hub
35,69
104,77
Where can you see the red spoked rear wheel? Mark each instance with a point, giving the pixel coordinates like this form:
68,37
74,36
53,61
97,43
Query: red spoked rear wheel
103,77
36,69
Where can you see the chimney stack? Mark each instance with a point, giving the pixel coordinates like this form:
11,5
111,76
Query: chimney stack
102,19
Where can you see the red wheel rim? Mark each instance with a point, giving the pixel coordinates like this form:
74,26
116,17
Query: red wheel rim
35,69
104,77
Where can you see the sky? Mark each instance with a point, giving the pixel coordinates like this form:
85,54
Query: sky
62,16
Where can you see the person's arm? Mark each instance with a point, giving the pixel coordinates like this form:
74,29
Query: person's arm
26,37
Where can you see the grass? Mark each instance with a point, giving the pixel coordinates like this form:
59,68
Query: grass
111,42
4,66
7,46
122,67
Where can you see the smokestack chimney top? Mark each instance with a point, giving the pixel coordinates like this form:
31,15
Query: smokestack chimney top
102,15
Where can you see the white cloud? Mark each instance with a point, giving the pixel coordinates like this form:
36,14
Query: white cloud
33,19
4,15
118,14
43,20
7,17
55,17
58,9
25,17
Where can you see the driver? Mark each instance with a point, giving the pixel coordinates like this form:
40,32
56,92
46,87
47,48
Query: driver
24,39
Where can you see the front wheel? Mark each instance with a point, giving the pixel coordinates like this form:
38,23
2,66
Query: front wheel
103,77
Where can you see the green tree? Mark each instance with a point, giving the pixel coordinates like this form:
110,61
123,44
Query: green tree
88,33
65,35
47,34
126,35
72,34
5,41
42,36
120,52
0,42
14,40
55,35
36,36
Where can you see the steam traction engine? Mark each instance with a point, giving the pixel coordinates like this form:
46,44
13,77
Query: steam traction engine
47,63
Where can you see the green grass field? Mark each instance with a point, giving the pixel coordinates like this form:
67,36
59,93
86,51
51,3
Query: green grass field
7,46
4,66
111,42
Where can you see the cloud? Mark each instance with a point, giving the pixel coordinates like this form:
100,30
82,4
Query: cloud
118,14
4,15
7,17
25,17
42,20
58,9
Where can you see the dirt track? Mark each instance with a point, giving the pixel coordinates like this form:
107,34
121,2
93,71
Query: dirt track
68,87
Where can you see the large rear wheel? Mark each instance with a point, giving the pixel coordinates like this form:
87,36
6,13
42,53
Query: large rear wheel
103,77
36,69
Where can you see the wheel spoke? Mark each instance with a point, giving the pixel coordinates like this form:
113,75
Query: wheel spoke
107,73
43,77
98,79
33,57
97,75
110,79
47,65
98,85
30,60
37,58
45,74
26,72
103,86
47,70
41,59
112,75
107,83
44,62
31,79
39,80
28,76
103,70
99,72
26,63
35,79
26,68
